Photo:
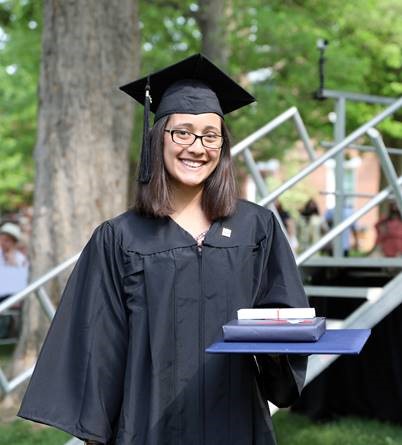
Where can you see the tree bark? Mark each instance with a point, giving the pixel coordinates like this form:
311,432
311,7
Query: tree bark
211,21
89,48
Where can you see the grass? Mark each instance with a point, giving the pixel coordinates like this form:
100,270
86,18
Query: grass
21,432
5,353
294,429
26,433
291,429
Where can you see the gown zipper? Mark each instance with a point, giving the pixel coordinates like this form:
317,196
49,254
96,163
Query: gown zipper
201,348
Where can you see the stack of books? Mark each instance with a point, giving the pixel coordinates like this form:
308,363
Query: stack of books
275,325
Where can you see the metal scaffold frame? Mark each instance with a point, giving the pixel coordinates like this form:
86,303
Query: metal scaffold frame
374,309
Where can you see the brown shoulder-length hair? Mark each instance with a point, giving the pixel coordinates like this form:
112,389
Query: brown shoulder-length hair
220,189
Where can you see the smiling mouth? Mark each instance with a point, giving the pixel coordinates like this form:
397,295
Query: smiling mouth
192,164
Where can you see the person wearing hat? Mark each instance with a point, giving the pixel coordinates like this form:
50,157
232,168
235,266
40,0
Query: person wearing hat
12,261
13,274
124,361
10,235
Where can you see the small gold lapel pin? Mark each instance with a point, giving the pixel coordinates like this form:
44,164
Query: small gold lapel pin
226,232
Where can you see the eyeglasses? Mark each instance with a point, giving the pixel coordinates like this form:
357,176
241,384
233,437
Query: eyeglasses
212,141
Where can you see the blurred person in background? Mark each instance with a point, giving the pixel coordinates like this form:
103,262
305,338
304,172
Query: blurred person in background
346,234
389,233
13,263
10,255
310,225
289,224
13,271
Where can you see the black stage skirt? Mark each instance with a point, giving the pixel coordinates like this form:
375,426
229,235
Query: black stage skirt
368,385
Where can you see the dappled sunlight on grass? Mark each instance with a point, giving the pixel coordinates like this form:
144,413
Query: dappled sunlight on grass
293,429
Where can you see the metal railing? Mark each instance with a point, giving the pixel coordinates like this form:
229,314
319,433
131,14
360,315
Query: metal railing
243,148
37,287
332,152
365,316
373,310
332,234
291,113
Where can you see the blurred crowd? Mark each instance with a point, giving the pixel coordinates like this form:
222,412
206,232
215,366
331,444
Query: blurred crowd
309,225
15,230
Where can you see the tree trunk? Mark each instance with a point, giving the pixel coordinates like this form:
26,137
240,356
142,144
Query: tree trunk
211,21
89,48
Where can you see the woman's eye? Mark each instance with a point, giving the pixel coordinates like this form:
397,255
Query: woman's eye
182,133
210,136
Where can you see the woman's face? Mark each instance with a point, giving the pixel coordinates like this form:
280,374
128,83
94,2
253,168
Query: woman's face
190,165
7,242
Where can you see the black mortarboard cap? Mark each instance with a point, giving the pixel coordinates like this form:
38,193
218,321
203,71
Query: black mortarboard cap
192,86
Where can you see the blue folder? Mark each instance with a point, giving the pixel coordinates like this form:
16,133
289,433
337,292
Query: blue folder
334,341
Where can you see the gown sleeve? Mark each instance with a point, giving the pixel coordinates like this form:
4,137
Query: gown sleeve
280,378
77,382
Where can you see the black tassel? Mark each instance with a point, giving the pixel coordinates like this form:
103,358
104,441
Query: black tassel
144,175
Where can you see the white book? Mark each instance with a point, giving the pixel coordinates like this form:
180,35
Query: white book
276,313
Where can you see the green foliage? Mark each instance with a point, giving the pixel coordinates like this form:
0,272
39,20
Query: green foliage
298,430
364,55
168,33
20,28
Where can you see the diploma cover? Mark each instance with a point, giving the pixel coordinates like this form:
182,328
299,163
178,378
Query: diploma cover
333,341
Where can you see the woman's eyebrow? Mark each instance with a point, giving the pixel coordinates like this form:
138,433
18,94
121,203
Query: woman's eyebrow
211,127
183,124
191,126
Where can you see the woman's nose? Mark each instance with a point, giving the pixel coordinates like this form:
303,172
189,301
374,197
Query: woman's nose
196,147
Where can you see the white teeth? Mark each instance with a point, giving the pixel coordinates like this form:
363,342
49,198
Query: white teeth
191,164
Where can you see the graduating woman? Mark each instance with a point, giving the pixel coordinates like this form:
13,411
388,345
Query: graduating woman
124,362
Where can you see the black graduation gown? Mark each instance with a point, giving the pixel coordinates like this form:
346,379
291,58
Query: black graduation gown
124,360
